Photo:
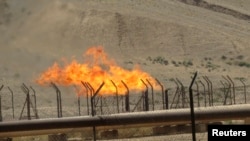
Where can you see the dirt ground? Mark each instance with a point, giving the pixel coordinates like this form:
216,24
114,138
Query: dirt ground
36,34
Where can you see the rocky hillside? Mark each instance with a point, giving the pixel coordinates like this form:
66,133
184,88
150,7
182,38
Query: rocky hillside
167,38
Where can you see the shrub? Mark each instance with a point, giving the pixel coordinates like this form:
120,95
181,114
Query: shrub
240,57
244,64
223,57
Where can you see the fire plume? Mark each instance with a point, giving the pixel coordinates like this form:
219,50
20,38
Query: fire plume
100,68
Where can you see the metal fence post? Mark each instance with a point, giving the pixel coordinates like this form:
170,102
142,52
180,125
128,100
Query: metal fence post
87,93
127,107
192,107
146,104
166,98
152,92
162,92
12,100
1,117
59,100
245,95
116,94
204,90
92,107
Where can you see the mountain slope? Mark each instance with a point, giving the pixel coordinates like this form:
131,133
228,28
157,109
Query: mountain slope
36,34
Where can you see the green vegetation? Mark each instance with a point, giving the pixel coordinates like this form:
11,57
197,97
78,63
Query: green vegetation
238,61
187,63
223,57
161,60
158,59
128,62
243,64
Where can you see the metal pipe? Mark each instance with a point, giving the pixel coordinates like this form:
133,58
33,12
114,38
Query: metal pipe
175,116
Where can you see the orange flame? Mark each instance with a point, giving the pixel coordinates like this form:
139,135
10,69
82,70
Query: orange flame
101,69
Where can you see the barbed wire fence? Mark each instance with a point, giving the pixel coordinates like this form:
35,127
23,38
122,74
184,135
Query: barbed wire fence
25,104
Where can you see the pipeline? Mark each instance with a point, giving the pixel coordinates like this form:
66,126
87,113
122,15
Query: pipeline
173,116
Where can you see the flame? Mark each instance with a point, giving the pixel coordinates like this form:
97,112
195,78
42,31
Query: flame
96,71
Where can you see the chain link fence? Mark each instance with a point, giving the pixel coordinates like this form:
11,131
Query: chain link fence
43,103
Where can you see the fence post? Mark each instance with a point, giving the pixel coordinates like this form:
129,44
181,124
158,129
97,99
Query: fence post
208,90
116,94
59,100
204,90
1,117
198,94
152,92
146,104
12,100
176,93
166,98
127,108
27,101
192,107
92,107
162,92
245,95
233,88
87,95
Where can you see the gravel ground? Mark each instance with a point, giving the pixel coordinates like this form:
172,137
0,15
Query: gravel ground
179,137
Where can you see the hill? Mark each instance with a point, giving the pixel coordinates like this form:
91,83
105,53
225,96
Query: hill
167,38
